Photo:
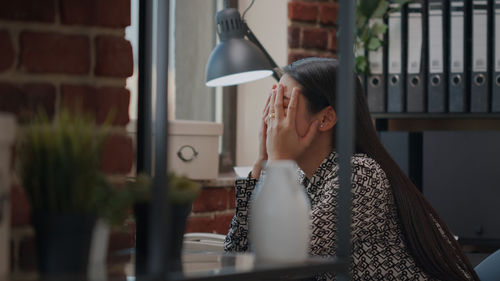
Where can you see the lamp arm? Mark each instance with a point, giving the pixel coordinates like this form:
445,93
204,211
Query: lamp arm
251,37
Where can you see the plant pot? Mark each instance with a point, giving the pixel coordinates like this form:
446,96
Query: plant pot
63,242
177,224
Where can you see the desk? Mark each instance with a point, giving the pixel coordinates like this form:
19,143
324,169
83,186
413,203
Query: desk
212,266
209,265
221,266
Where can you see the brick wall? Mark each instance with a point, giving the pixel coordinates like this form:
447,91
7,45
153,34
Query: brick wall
312,30
55,53
213,210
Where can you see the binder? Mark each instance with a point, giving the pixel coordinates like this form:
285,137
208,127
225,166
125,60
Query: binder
415,100
479,99
376,81
395,76
436,95
457,96
495,85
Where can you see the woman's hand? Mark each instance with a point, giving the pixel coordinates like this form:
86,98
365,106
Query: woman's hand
283,142
257,167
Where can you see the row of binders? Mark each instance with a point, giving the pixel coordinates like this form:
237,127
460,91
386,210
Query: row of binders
441,56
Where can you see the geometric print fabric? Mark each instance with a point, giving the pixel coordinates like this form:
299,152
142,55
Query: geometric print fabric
379,251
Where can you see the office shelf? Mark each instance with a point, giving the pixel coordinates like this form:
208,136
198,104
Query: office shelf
426,115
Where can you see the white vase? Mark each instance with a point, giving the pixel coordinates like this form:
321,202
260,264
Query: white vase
279,216
98,250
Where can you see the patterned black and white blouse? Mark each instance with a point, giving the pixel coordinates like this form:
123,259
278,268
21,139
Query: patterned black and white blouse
379,252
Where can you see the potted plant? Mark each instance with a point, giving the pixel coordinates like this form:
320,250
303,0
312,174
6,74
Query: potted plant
58,163
183,192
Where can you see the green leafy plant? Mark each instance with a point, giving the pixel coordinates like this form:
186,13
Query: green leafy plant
369,33
182,190
59,165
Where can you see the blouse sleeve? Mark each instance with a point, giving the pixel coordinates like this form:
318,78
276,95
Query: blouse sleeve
237,236
372,200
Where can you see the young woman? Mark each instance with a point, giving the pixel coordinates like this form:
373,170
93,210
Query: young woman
396,234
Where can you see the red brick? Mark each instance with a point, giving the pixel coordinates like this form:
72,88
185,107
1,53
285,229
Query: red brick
298,56
80,97
293,37
24,100
222,222
116,272
113,102
302,11
20,207
56,53
118,155
332,40
328,13
200,224
118,242
329,55
7,51
28,10
232,198
98,101
212,199
27,254
113,57
109,13
315,39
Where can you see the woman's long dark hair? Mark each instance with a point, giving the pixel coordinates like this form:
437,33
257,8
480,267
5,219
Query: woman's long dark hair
435,251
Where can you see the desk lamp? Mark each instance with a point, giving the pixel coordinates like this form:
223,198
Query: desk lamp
236,60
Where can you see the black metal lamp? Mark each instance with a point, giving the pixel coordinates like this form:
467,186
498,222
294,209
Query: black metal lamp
236,60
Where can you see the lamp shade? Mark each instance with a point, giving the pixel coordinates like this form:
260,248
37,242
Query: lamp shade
235,60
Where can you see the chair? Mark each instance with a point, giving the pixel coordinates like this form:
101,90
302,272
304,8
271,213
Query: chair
489,268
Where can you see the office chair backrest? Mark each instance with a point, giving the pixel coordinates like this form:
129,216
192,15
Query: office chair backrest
489,268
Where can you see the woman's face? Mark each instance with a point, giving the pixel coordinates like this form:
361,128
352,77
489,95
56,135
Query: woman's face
303,117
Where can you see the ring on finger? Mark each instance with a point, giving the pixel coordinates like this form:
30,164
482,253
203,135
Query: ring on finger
270,116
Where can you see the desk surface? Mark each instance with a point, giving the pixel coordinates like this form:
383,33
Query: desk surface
212,266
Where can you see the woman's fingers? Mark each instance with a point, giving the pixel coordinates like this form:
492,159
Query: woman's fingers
278,105
292,107
266,108
272,104
265,114
311,133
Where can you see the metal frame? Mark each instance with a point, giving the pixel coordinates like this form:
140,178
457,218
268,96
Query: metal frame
144,120
144,99
158,259
227,159
345,128
160,216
